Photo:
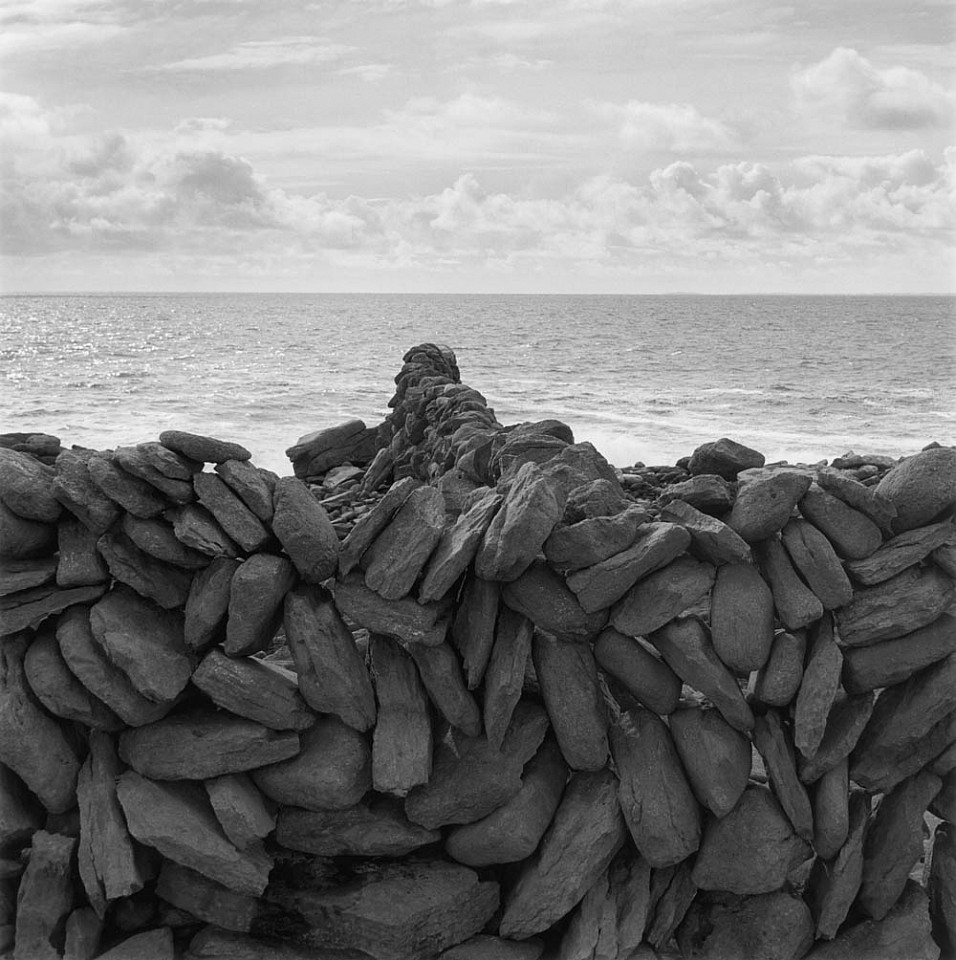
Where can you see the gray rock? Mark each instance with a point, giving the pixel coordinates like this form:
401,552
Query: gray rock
818,688
304,529
150,578
19,575
26,487
241,810
256,594
708,493
28,609
134,495
197,528
778,680
405,619
473,629
853,534
725,458
920,487
373,523
901,552
208,603
80,563
816,561
201,448
205,899
137,464
643,674
847,719
941,887
250,485
44,898
773,741
712,539
157,539
831,811
741,617
22,539
592,539
797,606
239,522
763,506
76,490
868,500
504,678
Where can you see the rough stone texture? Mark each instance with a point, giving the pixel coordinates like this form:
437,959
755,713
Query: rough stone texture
708,493
644,675
712,539
797,605
944,804
847,720
589,540
376,829
197,745
27,610
208,603
725,458
672,892
241,810
853,534
741,617
920,487
239,522
80,564
778,680
75,489
349,442
402,740
332,770
902,604
205,899
332,674
44,898
201,448
687,649
473,629
893,661
513,831
256,592
440,672
137,464
158,540
587,831
818,689
941,887
18,575
899,553
254,689
763,506
773,741
152,945
831,812
132,494
483,947
532,506
750,850
250,485
83,930
504,677
197,528
658,804
20,814
33,745
663,595
24,539
405,619
816,561
164,584
167,462
145,642
542,596
214,943
868,500
304,529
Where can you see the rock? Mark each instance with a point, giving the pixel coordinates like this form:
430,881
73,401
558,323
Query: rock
921,487
541,595
83,931
868,500
604,583
256,595
457,547
587,831
778,680
816,561
847,719
166,585
75,489
33,745
240,809
399,553
134,462
750,850
316,452
203,449
663,595
657,802
504,678
177,820
894,842
201,744
944,804
167,462
239,522
250,485
26,487
831,812
893,661
688,651
725,458
440,672
708,493
591,540
80,564
376,829
941,888
853,534
208,603
643,674
883,775
712,539
774,742
741,618
20,814
89,663
110,864
24,539
17,575
152,945
254,689
818,688
513,831
532,506
213,943
945,558
764,506
205,899
27,610
567,675
333,677
45,898
373,523
473,629
405,619
332,770
483,947
145,642
402,741
672,892
797,606
304,530
396,911
902,604
156,538
134,495
899,553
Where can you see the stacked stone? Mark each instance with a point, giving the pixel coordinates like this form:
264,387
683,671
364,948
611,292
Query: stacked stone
515,713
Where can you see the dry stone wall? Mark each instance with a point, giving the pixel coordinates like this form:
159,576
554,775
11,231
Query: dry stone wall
465,690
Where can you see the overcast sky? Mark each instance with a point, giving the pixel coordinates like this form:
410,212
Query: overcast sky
478,145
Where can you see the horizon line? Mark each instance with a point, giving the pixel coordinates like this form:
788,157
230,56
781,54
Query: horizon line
459,293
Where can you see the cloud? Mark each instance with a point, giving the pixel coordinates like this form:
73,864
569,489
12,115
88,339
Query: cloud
845,85
369,72
669,127
262,55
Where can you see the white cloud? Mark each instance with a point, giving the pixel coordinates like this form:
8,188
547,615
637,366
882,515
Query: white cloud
847,86
669,127
263,55
369,72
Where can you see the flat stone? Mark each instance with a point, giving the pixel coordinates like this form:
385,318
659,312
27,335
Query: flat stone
941,887
658,804
304,529
643,674
44,898
604,583
332,770
168,462
349,442
83,931
75,489
473,628
868,500
208,603
750,850
920,487
601,497
214,943
32,744
373,523
440,672
151,945
944,804
853,534
256,594
240,808
542,596
567,676
157,539
831,811
177,820
688,650
816,561
797,605
137,464
20,814
662,596
28,609
378,829
945,558
406,620
778,680
250,485
26,487
134,495
504,678
900,605
847,719
593,539
741,617
197,528
899,553
80,563
484,947
773,741
22,539
239,522
712,539
725,458
150,578
17,575
203,449
764,506
205,899
672,892
708,493
818,688
332,674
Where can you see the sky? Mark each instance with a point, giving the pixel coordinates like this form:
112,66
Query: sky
565,146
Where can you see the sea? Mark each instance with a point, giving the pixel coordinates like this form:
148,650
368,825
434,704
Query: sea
646,379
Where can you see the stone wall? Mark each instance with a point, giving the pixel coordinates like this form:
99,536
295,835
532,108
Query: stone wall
462,689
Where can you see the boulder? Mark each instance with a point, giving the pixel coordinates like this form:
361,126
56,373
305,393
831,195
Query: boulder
197,528
763,506
150,578
853,534
440,672
75,489
778,680
818,688
901,552
157,539
232,514
867,500
723,457
406,620
80,563
317,452
22,539
256,594
201,448
205,899
797,605
207,605
708,493
920,487
44,898
712,539
250,484
134,462
589,540
741,617
305,531
134,495
816,561
241,810
774,742
504,678
643,674
847,719
473,629
373,523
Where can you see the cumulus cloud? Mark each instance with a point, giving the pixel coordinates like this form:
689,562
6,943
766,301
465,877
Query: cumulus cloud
669,127
847,86
262,55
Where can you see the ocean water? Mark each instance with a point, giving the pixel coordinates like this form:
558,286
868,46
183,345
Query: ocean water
645,378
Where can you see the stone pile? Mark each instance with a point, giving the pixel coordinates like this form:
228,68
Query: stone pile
497,705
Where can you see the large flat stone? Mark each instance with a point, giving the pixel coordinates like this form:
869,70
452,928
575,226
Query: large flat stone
853,534
899,553
205,899
818,688
80,563
405,620
920,487
198,529
249,483
764,505
134,495
774,742
27,610
369,526
797,605
713,540
44,898
208,604
22,539
305,531
573,546
256,593
473,628
77,491
504,678
741,617
847,719
817,562
160,582
203,449
645,676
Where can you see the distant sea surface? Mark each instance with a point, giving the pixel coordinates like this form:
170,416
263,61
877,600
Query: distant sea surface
645,378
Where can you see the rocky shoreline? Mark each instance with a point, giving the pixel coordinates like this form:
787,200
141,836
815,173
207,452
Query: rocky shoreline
464,689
